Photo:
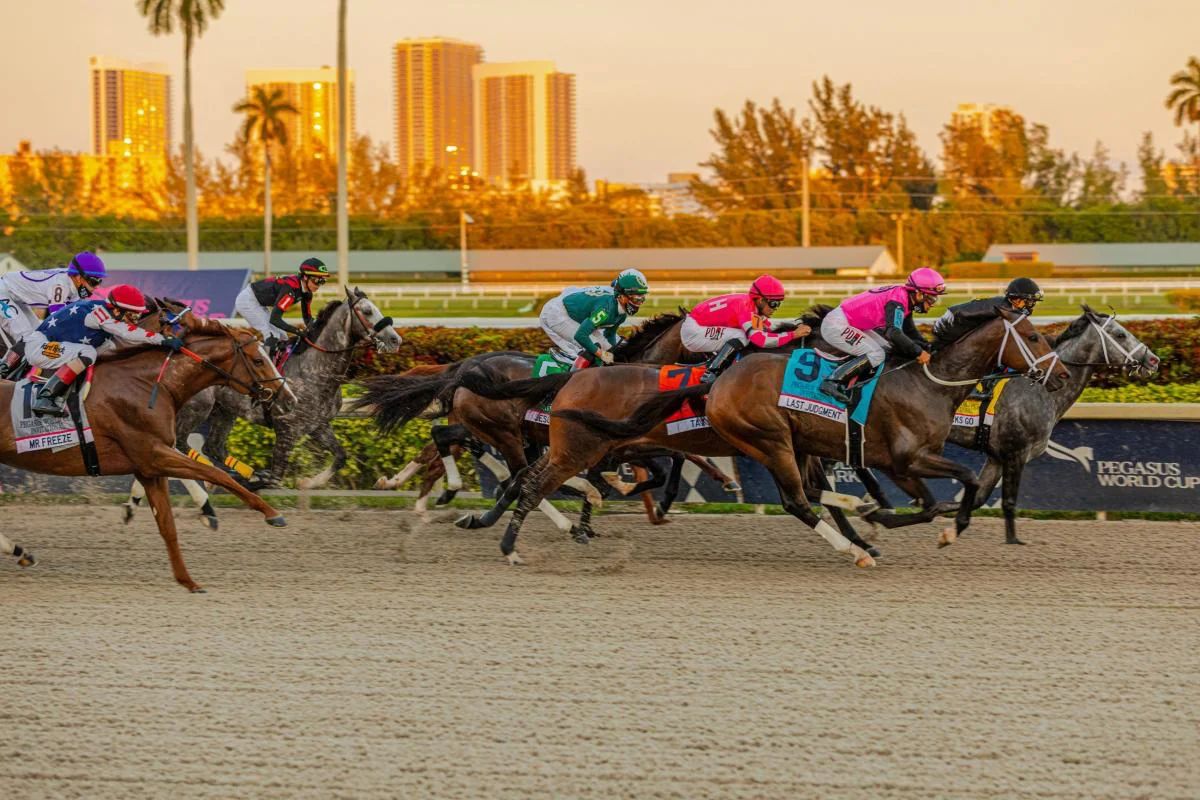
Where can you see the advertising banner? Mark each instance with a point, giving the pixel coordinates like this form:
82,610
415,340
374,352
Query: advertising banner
210,292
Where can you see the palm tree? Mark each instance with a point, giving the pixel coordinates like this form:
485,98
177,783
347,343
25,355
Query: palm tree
1185,98
192,18
265,110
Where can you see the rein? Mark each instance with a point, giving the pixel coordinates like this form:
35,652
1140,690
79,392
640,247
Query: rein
1033,371
1106,338
369,340
256,390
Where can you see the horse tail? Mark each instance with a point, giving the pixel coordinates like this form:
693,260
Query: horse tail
483,382
644,418
395,400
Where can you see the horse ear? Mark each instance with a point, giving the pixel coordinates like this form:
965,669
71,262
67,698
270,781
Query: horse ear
349,296
1087,310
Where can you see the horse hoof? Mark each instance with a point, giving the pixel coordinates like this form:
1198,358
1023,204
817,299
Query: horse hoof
384,483
874,552
198,590
212,522
732,487
1013,540
947,537
277,522
27,559
514,560
866,509
580,535
467,522
128,513
862,558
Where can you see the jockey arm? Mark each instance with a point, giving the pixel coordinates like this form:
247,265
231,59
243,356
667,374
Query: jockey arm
763,336
594,321
902,332
281,305
100,319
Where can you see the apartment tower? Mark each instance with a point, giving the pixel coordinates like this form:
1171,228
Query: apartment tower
313,131
131,108
433,104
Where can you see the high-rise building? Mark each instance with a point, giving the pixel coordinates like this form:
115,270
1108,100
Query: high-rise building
131,108
433,104
983,115
524,123
312,131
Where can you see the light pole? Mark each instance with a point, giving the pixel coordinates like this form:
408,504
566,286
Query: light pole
343,115
805,206
464,219
899,218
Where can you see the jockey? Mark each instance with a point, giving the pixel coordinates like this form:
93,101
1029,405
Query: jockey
726,324
872,322
70,338
583,322
262,303
1021,295
48,289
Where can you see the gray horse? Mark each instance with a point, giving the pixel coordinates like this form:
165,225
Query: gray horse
315,372
1026,413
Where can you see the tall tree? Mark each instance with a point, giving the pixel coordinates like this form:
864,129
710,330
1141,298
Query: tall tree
191,17
265,112
1184,99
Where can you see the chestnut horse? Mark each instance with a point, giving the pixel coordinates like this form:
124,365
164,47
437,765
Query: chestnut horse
133,438
910,419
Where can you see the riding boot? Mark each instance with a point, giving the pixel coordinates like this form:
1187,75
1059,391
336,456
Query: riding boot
12,361
722,360
49,400
836,385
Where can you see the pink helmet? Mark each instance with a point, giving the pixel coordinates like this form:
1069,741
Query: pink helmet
767,286
926,281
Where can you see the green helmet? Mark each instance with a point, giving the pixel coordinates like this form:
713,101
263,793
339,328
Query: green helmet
630,281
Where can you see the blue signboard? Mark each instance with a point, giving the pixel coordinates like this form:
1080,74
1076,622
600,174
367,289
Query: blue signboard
210,293
1089,465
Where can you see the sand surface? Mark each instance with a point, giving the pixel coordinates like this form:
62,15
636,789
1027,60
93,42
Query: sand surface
370,654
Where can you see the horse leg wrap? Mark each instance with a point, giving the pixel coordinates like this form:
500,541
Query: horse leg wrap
833,536
847,502
496,466
556,516
453,478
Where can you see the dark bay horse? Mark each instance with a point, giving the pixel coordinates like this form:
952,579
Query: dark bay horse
1026,413
132,438
913,409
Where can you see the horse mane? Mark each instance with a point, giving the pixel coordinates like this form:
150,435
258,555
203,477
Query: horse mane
323,317
632,348
1076,329
815,314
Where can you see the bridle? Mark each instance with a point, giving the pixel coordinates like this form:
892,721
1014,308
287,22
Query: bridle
370,332
1130,362
257,389
1033,371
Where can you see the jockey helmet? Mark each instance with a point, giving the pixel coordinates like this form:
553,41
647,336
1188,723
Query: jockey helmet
124,297
926,281
314,268
1024,289
767,287
89,271
631,285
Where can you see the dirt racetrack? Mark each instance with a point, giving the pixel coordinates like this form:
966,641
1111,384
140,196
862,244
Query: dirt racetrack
368,654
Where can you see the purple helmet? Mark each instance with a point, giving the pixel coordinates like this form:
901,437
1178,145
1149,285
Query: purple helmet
88,265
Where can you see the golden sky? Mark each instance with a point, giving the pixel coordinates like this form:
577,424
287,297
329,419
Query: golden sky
650,72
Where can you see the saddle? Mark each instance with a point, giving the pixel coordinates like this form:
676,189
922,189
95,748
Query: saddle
801,391
551,363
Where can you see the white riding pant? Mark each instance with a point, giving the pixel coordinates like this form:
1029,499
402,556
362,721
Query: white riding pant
559,326
841,335
17,320
258,316
700,339
45,354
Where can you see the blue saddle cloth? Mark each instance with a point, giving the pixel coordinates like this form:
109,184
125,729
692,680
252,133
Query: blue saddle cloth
801,390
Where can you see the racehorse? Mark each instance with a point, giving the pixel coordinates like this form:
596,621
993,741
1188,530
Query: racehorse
316,370
1026,413
136,436
911,416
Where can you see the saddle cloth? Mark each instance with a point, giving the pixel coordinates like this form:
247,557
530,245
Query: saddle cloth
546,364
980,407
680,376
801,390
31,432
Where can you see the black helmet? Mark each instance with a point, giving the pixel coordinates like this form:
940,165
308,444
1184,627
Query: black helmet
1025,288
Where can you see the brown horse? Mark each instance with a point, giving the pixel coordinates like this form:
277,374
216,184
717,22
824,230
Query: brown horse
133,438
910,419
